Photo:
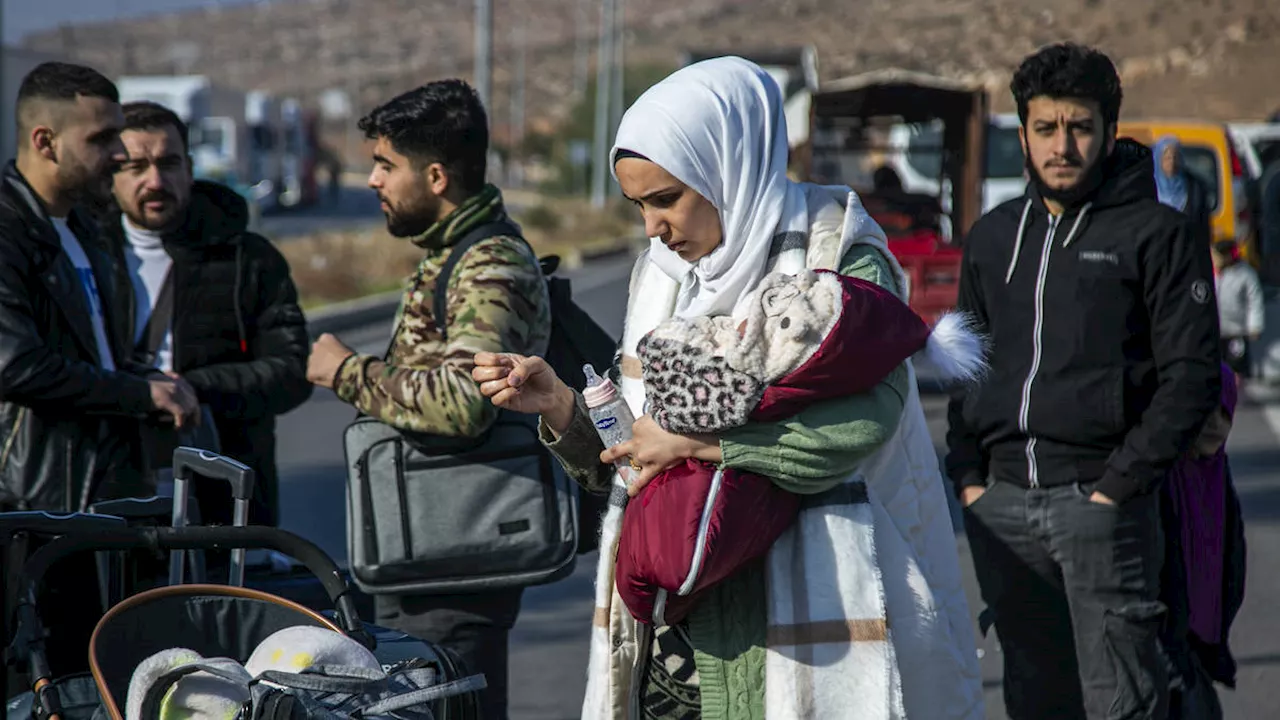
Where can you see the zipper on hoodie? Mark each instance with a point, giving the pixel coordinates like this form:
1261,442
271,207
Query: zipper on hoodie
1037,351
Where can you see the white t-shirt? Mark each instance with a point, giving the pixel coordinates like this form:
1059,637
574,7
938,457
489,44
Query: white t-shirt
148,265
71,246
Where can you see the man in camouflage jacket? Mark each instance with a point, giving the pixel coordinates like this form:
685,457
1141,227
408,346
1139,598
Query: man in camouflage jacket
429,165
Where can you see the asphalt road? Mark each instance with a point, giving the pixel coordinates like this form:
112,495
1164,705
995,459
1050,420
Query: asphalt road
549,644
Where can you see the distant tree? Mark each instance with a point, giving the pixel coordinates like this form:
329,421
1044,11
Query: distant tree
581,124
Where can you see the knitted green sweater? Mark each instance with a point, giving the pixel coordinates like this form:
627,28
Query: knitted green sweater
806,454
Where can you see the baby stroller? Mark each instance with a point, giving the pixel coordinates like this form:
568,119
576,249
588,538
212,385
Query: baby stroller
219,621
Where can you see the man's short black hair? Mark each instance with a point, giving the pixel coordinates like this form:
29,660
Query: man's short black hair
61,81
441,122
1068,70
147,115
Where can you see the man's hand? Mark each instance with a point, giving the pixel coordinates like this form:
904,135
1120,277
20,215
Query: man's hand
970,495
652,450
327,355
1101,499
186,387
175,399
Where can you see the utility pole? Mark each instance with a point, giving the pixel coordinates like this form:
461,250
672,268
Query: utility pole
517,104
605,58
582,49
483,74
619,73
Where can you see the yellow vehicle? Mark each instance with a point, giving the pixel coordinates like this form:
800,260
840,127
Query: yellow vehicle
1211,156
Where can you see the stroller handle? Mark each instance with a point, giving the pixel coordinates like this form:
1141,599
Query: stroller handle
205,538
40,522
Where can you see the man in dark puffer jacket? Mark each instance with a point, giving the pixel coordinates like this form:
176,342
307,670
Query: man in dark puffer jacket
237,334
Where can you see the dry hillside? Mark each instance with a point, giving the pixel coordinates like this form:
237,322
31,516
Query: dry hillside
1194,58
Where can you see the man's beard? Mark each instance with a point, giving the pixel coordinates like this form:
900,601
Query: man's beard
83,188
1068,196
148,222
411,222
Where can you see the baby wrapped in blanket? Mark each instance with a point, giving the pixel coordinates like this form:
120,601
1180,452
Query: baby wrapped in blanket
807,337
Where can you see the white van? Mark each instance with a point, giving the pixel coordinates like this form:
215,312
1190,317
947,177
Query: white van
915,154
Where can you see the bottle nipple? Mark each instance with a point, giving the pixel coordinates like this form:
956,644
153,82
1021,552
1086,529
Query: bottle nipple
599,391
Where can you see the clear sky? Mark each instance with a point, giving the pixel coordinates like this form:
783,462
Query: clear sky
24,16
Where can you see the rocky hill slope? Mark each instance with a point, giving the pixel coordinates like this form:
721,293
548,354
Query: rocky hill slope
1189,58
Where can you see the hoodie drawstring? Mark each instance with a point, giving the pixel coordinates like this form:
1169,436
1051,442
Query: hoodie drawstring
1076,225
1022,228
1017,242
244,343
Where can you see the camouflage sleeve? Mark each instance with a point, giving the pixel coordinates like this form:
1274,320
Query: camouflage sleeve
497,302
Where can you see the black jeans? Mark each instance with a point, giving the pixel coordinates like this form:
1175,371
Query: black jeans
474,627
1073,586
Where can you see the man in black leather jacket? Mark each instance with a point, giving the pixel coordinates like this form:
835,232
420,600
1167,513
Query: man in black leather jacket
70,401
235,332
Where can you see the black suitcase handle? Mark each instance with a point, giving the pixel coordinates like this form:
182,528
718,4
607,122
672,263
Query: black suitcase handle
188,461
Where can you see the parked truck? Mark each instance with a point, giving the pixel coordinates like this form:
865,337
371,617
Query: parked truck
215,117
262,145
851,125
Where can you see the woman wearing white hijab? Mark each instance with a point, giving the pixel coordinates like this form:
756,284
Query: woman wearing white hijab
858,611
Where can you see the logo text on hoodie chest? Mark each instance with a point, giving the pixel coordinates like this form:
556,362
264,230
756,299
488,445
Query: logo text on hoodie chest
1099,256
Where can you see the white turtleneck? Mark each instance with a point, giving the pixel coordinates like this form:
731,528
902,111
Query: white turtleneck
148,265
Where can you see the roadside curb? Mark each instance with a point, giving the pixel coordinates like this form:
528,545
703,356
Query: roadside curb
351,314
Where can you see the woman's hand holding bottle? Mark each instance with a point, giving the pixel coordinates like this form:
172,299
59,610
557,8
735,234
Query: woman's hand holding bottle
641,450
652,450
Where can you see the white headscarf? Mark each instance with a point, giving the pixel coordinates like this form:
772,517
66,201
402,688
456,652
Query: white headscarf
718,126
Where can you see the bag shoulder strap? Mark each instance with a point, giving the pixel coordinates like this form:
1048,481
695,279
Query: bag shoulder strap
481,232
158,322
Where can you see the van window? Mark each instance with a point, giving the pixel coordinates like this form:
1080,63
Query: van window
924,149
1268,151
1004,153
1202,162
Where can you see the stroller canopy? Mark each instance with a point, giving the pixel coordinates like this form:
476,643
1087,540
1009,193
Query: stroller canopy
213,620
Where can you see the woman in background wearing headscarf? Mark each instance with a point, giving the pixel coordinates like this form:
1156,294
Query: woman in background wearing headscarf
858,611
1180,189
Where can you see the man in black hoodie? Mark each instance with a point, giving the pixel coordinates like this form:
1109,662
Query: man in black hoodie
1099,305
234,330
